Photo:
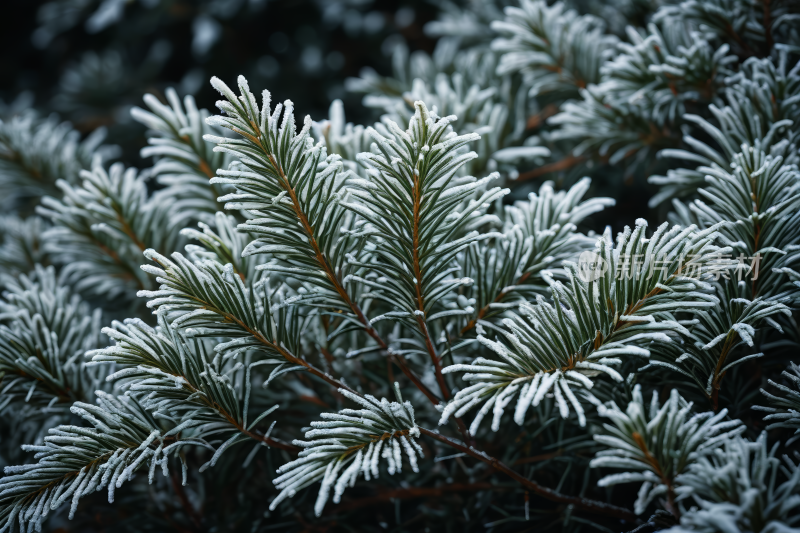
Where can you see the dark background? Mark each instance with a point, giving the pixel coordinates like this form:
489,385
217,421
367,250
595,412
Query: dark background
298,49
301,50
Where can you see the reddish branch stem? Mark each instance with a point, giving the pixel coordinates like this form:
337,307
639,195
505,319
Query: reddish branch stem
386,496
418,277
534,121
567,162
665,479
583,504
185,503
499,298
337,285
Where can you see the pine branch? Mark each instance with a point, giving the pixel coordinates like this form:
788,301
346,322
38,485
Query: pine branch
465,84
409,205
184,163
538,235
349,444
340,137
207,300
22,247
223,244
300,191
640,100
656,445
741,485
178,380
75,461
760,196
556,50
44,334
284,187
784,404
716,339
103,226
745,24
760,109
625,308
36,153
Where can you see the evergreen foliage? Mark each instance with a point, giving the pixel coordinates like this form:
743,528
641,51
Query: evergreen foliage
450,256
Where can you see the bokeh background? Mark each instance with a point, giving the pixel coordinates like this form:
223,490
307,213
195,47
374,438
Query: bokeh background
91,60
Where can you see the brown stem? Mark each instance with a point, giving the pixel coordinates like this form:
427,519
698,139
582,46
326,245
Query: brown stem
63,395
560,71
334,279
203,165
16,157
437,362
534,121
190,511
283,352
263,340
403,365
767,26
738,38
665,479
389,371
485,309
69,475
539,458
567,162
417,267
275,443
114,257
437,367
756,234
129,232
205,168
716,381
584,504
385,496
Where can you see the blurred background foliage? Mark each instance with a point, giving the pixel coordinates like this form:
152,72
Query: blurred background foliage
92,60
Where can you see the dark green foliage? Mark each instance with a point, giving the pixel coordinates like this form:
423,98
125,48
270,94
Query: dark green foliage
302,324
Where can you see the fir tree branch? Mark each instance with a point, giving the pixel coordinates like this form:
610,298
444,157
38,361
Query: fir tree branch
556,50
44,332
784,408
658,443
75,461
282,174
36,153
182,290
538,236
159,361
350,443
597,318
108,221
